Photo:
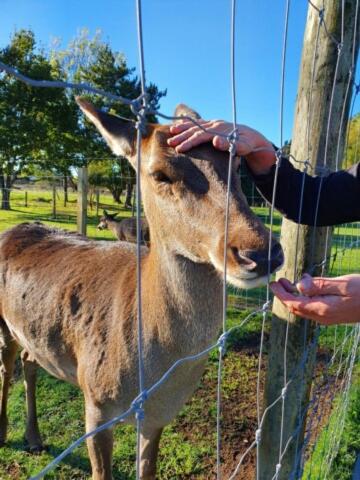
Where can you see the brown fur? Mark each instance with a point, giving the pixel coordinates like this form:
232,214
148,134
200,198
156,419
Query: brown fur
70,303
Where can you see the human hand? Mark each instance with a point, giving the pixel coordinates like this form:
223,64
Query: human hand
328,301
259,152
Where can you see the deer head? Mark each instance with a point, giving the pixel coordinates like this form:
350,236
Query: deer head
184,198
103,222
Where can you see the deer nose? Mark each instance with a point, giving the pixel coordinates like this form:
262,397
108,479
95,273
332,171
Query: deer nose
257,261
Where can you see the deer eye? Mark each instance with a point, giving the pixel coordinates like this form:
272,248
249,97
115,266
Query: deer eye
160,176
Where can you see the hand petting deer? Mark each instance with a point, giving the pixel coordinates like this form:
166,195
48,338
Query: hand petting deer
124,230
70,302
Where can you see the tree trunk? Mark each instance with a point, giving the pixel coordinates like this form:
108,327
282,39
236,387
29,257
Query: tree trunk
5,199
66,198
72,184
129,190
5,183
116,193
82,200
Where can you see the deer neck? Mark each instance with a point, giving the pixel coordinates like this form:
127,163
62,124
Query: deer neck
183,295
112,225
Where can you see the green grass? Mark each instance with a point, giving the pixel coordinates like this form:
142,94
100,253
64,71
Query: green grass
40,209
61,422
349,439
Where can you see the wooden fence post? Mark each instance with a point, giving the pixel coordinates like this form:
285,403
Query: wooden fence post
97,202
82,200
301,332
26,199
54,199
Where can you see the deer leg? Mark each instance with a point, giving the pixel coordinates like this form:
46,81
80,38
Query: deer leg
8,350
149,449
32,433
100,446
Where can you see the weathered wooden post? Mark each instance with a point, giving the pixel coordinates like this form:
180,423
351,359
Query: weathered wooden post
82,200
97,202
26,199
312,113
54,199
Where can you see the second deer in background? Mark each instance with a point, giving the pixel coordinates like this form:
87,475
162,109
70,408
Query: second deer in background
124,230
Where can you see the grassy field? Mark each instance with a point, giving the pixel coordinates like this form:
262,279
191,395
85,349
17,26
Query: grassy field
188,444
344,459
40,209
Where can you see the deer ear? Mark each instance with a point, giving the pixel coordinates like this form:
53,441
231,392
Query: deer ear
119,134
183,110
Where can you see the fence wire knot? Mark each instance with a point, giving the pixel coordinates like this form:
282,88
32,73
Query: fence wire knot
278,468
232,139
266,306
278,155
321,15
307,165
140,108
222,342
283,392
138,403
258,436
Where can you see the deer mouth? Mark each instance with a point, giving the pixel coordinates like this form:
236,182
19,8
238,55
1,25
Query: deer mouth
251,268
247,283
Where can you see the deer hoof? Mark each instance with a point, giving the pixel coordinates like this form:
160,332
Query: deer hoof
36,449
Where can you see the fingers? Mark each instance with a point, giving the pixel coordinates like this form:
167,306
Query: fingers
313,308
306,285
323,286
189,138
221,143
182,125
287,285
187,135
283,293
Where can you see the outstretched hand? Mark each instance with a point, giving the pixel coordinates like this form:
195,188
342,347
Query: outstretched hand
259,152
328,301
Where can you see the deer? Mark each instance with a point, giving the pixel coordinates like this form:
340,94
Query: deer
124,230
71,303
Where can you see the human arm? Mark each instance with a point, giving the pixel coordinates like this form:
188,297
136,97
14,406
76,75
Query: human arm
339,199
328,301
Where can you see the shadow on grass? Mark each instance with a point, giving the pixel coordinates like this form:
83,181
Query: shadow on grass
32,217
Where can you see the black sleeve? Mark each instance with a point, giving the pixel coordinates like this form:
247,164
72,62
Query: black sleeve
339,194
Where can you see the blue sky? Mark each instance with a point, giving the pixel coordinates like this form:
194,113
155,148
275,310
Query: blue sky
187,49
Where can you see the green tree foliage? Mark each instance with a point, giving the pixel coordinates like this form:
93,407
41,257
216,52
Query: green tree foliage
91,60
37,123
42,128
115,175
352,153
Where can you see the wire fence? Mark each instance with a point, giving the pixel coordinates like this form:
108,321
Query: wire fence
336,362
